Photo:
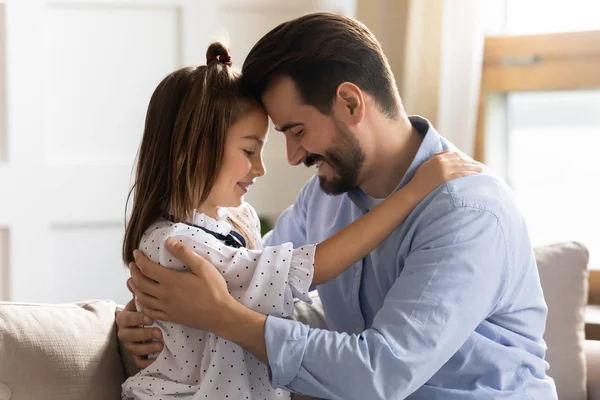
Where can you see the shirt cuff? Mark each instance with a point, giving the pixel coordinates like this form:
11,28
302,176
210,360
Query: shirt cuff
286,342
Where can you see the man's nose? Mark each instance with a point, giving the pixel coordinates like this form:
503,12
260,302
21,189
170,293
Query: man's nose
295,152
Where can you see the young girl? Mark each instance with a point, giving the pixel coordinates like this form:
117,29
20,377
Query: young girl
200,153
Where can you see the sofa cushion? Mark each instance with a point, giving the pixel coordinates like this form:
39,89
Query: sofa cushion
66,351
564,277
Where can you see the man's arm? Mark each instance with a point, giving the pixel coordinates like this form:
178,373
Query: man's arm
451,282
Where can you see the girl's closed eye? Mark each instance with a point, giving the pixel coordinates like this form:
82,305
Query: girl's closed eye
250,153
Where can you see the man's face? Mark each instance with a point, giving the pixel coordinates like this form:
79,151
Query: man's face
313,138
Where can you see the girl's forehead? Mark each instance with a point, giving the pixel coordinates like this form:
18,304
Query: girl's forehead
255,123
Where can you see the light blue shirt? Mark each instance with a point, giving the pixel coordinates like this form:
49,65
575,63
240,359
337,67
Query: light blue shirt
448,307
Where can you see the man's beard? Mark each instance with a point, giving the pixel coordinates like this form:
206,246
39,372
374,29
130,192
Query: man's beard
346,160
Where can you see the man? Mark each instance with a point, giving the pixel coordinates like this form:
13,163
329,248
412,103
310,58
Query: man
448,307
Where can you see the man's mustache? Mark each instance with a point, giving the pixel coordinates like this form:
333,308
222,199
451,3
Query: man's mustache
312,159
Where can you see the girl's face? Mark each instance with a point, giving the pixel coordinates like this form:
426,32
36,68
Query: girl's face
242,162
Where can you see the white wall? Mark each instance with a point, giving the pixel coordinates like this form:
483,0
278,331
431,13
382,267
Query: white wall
79,74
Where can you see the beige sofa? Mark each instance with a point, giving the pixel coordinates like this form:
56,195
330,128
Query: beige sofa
71,352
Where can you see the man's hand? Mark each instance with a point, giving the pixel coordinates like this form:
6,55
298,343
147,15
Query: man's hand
136,339
198,299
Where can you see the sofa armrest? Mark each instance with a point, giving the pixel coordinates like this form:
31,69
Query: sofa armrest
592,354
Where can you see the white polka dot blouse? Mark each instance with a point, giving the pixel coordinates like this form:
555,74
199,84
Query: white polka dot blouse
199,365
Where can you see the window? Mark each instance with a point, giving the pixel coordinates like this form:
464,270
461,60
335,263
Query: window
553,164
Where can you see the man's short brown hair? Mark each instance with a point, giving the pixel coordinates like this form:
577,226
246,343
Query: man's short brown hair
319,52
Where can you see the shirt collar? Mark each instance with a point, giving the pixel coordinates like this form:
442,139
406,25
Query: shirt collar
219,225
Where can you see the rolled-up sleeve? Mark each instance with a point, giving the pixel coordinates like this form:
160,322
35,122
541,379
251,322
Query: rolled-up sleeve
452,280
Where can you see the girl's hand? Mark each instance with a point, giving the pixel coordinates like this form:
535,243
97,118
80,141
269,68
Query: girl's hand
441,168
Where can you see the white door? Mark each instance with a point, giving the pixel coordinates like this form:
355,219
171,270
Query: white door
79,75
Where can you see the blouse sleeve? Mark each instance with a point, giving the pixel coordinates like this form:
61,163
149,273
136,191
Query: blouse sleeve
264,280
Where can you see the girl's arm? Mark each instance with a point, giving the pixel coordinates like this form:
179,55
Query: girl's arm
334,255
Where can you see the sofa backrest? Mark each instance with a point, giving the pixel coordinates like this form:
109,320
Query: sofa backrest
63,351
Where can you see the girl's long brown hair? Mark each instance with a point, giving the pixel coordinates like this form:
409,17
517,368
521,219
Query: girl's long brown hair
184,141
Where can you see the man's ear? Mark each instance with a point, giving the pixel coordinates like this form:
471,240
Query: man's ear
350,103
